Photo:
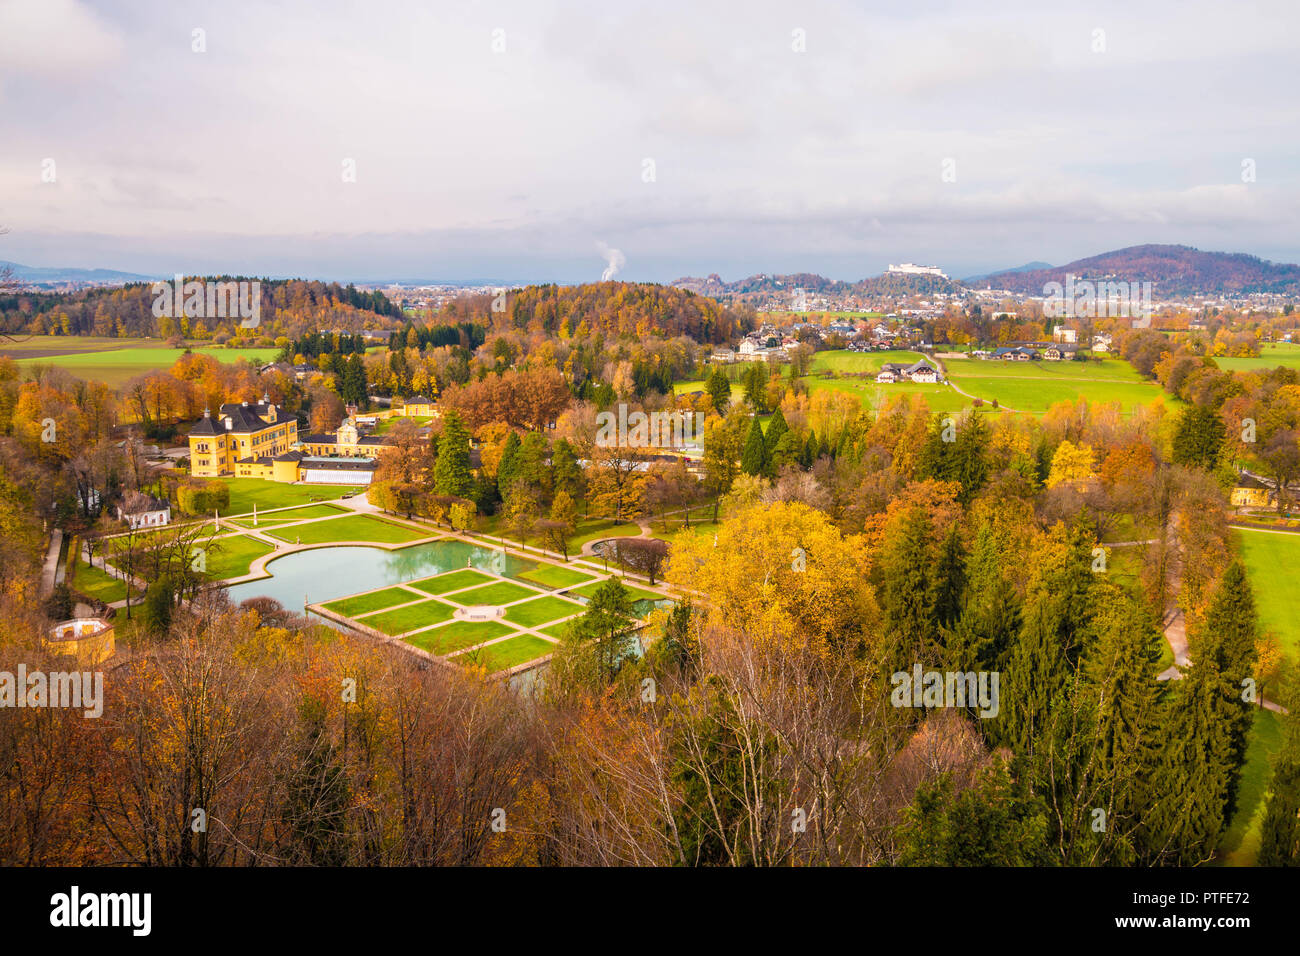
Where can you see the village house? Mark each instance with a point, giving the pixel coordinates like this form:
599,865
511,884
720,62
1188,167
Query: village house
1055,353
1250,492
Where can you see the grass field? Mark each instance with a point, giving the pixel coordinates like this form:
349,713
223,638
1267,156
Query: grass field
231,557
1239,843
1035,386
636,594
96,583
118,365
940,397
594,529
273,518
556,630
510,652
409,618
246,492
374,601
355,527
1271,560
548,575
1271,355
451,581
457,636
843,360
541,611
388,423
502,592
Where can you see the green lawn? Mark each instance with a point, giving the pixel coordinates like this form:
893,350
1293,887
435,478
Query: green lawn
246,492
457,636
452,581
356,527
1035,386
230,557
116,366
1271,559
544,609
409,618
548,575
556,630
510,652
502,592
374,601
594,529
1239,843
97,584
636,594
273,518
388,423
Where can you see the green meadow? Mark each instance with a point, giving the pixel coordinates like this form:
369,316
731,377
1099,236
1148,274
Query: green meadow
1271,355
116,366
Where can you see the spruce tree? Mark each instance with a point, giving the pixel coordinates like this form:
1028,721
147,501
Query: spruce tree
451,473
1279,842
508,466
719,389
990,616
754,460
1190,783
1228,634
776,427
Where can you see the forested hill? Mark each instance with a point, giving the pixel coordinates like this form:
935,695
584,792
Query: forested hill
297,305
613,308
1172,270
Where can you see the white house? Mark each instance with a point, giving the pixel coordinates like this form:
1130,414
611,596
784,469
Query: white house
139,510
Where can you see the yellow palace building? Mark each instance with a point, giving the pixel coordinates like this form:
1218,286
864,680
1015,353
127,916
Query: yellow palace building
240,433
259,441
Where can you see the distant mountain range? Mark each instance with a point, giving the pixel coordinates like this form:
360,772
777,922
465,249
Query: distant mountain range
59,275
1174,271
1027,267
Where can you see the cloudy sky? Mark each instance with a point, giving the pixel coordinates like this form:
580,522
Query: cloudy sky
521,141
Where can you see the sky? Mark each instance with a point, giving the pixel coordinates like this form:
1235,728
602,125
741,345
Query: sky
561,141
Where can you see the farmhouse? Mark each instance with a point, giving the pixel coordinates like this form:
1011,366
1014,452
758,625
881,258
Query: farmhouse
1055,353
1019,353
1250,492
922,372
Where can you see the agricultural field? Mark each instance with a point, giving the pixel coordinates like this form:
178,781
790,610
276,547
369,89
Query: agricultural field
116,365
1032,387
843,360
940,397
1271,355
